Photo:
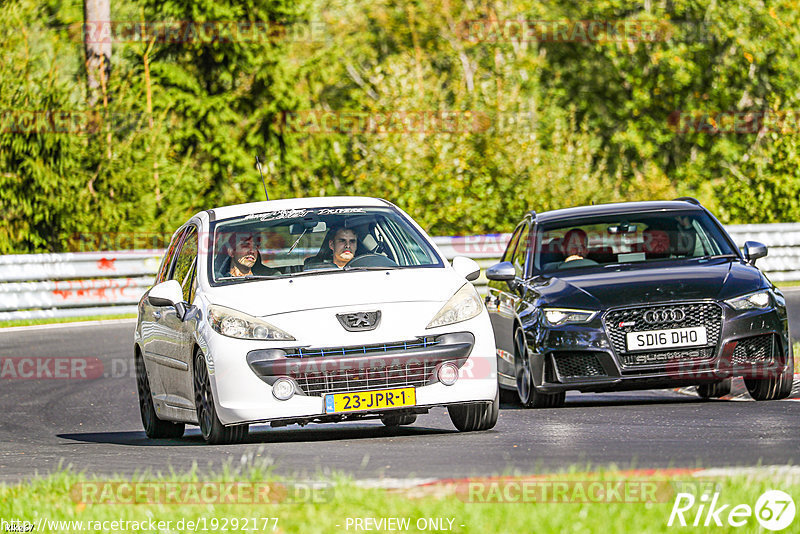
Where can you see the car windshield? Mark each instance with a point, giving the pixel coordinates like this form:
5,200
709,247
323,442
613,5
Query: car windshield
298,242
629,238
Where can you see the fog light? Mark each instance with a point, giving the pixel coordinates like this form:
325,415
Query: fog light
448,374
283,389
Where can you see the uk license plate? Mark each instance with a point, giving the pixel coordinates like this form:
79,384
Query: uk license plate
370,400
694,336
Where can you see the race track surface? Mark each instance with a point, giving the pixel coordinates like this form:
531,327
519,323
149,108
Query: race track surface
93,425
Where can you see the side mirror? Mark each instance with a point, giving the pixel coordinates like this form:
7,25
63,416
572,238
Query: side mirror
467,267
167,293
754,250
502,272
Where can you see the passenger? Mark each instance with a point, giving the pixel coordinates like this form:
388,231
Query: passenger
242,258
576,245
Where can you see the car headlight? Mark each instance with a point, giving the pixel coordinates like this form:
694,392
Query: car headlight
239,325
754,301
562,316
464,305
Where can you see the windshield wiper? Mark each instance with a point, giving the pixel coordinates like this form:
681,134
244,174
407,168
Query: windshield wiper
324,270
370,268
249,277
717,256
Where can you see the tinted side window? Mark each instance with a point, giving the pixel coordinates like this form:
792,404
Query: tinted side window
169,256
185,261
512,243
521,252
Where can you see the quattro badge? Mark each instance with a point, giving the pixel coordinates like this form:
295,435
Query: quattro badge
359,321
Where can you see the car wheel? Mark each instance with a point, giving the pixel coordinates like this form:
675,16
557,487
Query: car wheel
471,417
154,427
714,390
393,420
773,388
526,391
214,432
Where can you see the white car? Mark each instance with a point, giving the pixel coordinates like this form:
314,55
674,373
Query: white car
310,310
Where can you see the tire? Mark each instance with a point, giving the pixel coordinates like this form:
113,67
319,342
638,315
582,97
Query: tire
526,391
154,427
472,417
773,388
393,420
214,432
714,390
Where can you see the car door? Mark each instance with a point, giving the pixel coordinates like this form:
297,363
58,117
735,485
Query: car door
176,366
155,345
502,303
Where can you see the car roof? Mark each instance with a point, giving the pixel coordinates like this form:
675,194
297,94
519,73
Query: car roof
615,209
238,210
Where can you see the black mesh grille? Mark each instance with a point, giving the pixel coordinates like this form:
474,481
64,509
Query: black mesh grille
578,364
665,357
620,322
412,374
549,371
757,349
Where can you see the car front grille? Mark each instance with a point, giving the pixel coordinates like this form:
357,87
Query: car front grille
395,346
340,381
757,349
619,322
578,364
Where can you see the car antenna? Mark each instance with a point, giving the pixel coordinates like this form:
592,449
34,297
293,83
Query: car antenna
258,166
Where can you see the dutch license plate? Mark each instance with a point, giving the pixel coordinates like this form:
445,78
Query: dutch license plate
668,339
370,400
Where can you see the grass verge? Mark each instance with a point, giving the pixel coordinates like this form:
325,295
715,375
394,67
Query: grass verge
58,320
336,505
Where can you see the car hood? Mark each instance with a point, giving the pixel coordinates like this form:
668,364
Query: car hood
717,279
337,289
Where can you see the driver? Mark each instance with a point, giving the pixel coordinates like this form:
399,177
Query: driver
576,245
343,245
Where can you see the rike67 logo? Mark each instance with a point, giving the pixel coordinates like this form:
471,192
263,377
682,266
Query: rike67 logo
774,510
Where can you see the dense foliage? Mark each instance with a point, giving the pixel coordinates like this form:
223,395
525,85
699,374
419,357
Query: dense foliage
512,123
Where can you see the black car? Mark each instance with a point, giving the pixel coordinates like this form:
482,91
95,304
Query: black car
636,295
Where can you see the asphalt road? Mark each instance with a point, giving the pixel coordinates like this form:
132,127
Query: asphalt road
93,425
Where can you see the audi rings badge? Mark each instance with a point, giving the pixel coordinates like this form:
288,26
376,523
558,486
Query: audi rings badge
664,315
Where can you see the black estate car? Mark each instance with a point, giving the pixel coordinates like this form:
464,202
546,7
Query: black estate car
636,295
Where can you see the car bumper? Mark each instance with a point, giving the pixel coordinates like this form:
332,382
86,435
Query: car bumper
753,344
243,373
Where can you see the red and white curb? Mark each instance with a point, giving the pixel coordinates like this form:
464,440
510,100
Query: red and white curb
419,487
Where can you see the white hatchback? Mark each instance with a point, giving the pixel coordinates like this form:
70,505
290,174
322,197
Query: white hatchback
310,310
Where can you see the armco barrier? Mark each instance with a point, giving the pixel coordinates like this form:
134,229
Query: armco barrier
100,283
